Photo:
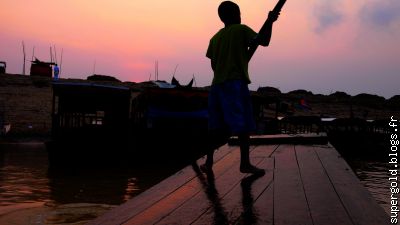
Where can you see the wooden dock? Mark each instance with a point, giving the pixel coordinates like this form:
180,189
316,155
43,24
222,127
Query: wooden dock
303,184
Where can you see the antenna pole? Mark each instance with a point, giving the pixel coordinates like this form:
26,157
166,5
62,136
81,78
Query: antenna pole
176,67
55,54
62,50
51,54
94,67
194,79
157,70
33,53
23,50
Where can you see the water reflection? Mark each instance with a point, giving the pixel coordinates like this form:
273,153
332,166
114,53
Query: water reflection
374,176
23,174
249,216
208,185
31,192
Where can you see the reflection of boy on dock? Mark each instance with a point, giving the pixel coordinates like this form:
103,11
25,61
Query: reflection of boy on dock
230,108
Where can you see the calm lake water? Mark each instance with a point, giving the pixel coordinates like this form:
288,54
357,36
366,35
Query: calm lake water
374,175
33,193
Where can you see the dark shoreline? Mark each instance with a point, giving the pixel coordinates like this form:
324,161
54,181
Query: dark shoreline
26,103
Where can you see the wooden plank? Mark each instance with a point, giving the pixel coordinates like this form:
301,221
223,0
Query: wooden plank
311,138
143,201
290,205
166,205
325,205
236,201
360,205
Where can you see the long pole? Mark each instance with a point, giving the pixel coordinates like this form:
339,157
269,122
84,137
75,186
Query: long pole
254,44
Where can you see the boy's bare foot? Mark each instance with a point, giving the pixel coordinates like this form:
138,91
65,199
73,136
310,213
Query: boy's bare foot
252,169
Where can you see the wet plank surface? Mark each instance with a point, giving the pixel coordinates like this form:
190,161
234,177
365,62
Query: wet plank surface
303,184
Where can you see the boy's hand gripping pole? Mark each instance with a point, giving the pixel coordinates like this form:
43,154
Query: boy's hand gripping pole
254,43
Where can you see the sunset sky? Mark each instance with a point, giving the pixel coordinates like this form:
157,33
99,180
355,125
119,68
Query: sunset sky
318,45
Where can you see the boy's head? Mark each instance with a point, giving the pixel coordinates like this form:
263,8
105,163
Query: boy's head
229,13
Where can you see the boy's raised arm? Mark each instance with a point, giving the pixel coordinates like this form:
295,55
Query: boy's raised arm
264,35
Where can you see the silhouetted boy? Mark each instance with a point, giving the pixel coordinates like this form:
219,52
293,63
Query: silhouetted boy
230,108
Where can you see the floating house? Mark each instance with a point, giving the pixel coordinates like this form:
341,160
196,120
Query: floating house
86,111
42,69
92,118
91,110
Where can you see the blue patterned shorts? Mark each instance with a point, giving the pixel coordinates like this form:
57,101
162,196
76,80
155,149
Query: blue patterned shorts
229,106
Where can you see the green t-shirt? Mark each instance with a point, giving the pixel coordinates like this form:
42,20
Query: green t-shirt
228,53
